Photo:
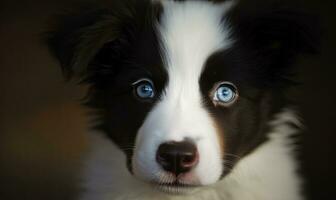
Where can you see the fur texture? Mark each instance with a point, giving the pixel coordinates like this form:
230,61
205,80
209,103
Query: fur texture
157,70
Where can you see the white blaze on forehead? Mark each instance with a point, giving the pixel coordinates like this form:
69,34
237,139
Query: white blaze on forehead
190,32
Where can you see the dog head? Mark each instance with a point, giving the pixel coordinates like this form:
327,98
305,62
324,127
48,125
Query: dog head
184,88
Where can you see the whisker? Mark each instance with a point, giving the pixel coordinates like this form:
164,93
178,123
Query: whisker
232,155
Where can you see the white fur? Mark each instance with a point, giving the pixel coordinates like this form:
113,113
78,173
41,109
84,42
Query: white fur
190,32
268,173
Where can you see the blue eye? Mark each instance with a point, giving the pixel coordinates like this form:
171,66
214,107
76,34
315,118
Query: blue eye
226,93
144,89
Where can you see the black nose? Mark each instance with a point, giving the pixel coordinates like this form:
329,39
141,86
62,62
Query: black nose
177,157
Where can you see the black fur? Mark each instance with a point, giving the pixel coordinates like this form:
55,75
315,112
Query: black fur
267,42
109,50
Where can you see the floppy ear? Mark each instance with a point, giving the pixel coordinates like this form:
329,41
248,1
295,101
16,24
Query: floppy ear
90,41
77,37
275,36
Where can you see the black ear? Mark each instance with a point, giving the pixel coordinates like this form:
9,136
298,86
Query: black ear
274,36
78,36
82,40
73,39
280,28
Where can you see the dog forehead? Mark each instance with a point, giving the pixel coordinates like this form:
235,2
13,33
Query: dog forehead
191,31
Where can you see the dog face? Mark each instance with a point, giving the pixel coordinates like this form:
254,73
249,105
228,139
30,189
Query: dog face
184,88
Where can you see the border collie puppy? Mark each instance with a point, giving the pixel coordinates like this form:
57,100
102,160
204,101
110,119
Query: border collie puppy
188,97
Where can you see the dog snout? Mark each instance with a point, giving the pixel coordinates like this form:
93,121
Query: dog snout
177,157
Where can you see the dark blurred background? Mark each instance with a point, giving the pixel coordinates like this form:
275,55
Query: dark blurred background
42,126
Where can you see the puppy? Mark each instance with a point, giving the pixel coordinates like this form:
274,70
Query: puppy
189,97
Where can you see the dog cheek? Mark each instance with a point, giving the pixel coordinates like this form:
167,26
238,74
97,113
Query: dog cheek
220,133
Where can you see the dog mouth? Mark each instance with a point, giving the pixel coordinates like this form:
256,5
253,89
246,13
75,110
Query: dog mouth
176,187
